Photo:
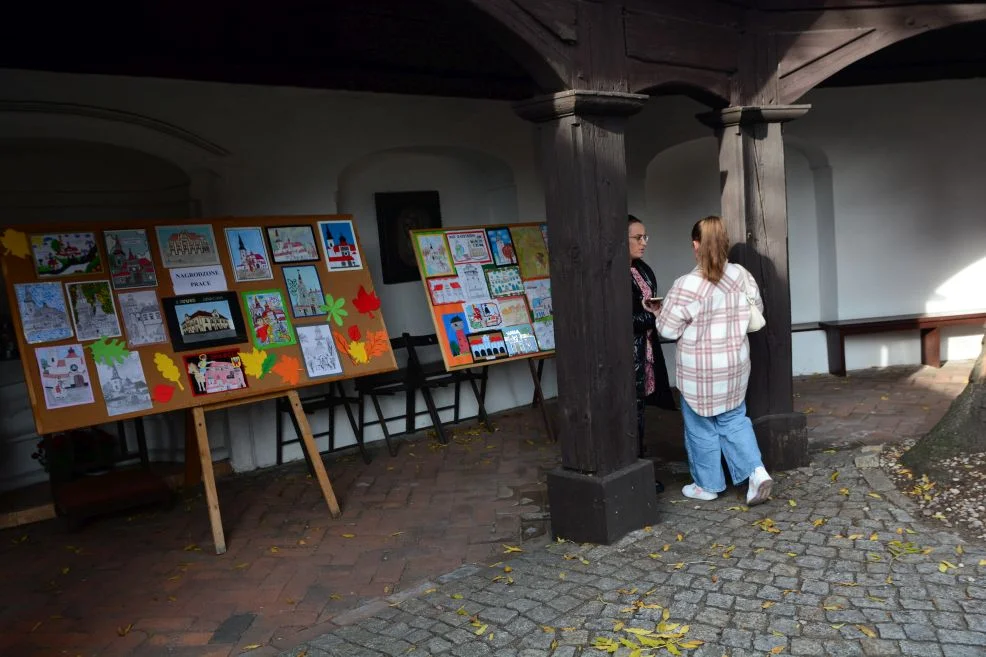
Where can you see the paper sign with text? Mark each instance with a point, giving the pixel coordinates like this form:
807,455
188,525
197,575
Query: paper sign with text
195,280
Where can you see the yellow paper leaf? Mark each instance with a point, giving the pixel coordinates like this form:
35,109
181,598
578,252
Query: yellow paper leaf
253,362
357,352
14,243
168,370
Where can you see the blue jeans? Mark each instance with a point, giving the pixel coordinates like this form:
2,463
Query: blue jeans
707,439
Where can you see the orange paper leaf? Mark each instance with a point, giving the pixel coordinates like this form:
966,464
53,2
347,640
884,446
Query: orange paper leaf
288,368
342,346
377,343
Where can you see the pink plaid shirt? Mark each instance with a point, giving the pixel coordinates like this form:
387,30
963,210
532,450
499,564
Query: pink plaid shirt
709,322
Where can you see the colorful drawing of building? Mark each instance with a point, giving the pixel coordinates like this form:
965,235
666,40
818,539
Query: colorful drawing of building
185,243
342,255
250,261
129,270
306,302
60,374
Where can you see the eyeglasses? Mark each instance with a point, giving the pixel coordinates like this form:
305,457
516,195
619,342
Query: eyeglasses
643,239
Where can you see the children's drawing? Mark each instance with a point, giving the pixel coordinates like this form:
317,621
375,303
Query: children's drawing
64,376
269,323
544,331
304,290
92,310
434,254
213,372
124,386
142,318
292,244
319,351
544,234
468,247
445,290
532,252
504,281
472,280
514,311
339,241
43,313
62,254
483,316
456,331
130,260
502,246
187,246
520,340
199,321
248,253
538,294
487,346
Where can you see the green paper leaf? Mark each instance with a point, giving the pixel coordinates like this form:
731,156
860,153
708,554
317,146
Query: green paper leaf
334,309
109,353
269,363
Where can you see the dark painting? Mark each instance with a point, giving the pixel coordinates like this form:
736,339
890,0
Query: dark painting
398,213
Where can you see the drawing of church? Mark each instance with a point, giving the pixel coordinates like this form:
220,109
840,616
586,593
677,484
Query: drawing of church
342,255
251,265
130,270
306,302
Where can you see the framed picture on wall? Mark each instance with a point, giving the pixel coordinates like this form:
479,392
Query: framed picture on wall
397,214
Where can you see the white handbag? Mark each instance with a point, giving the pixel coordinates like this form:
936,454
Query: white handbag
757,320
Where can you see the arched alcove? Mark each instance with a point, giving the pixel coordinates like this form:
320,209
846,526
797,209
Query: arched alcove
44,181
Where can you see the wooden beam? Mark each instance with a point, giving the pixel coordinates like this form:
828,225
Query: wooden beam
708,87
665,40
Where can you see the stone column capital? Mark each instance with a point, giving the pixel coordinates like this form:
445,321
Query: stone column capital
740,115
579,102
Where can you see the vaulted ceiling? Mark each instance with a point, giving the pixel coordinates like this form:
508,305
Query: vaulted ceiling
403,46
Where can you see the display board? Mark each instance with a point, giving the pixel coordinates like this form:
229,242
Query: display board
124,319
488,291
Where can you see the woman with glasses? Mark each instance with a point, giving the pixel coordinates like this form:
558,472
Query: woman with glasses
648,360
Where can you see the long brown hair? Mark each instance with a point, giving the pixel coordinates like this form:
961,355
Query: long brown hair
713,247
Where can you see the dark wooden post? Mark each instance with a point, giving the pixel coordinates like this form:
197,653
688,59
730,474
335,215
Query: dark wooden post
754,207
602,491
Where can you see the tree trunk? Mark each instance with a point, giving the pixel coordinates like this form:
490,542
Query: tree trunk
962,429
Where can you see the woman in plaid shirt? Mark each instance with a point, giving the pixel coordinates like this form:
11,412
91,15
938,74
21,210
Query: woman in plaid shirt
708,311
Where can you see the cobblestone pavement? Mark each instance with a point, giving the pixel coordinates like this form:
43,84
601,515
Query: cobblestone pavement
834,565
147,584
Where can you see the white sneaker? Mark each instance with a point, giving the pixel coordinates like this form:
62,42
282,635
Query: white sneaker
759,487
696,492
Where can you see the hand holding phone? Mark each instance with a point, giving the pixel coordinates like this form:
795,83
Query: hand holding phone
653,304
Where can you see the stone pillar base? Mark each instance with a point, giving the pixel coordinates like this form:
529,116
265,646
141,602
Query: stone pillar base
783,440
602,510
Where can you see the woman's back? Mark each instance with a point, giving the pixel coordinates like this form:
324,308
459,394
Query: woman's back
709,321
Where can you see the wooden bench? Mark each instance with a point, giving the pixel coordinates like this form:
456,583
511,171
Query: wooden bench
929,324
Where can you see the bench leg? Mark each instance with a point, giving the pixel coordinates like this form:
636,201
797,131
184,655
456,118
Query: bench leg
836,343
436,420
931,347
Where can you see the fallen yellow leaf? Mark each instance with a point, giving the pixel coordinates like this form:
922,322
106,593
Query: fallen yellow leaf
349,535
792,503
867,631
507,549
124,631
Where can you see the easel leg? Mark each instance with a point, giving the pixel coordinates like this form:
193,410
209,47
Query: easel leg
313,455
209,480
539,398
193,469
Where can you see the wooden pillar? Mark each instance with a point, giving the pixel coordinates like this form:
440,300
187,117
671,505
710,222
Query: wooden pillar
754,208
602,490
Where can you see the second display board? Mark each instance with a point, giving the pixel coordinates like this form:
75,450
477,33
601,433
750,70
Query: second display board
488,291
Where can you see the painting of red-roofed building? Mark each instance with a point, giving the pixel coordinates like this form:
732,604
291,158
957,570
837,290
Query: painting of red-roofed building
64,376
447,289
269,323
130,259
339,241
187,246
292,244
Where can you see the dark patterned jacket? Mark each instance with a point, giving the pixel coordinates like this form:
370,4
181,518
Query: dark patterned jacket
642,321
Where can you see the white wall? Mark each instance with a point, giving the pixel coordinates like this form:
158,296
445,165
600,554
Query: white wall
885,213
884,191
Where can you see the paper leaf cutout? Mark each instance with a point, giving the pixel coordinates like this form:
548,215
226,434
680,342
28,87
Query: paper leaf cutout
357,352
108,353
167,368
366,302
15,243
341,345
269,363
334,310
163,393
354,333
377,343
253,363
288,368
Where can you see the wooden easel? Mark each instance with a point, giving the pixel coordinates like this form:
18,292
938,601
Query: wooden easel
538,394
201,442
